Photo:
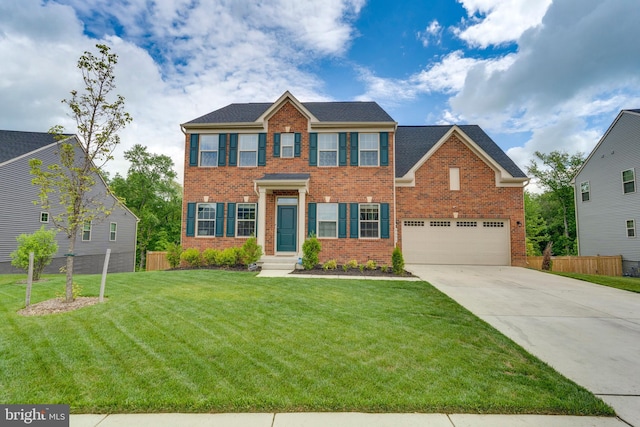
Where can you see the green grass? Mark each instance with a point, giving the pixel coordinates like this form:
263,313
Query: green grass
212,341
631,284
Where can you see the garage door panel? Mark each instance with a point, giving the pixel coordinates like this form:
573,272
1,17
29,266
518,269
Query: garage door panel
456,241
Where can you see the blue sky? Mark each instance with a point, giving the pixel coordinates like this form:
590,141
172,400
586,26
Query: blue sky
537,75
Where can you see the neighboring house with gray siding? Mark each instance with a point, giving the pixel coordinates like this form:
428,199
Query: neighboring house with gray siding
607,194
18,213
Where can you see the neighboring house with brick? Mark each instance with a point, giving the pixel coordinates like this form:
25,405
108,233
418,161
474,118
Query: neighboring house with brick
607,197
19,214
346,172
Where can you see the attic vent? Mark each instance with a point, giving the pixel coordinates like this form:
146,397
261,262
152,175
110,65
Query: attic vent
414,223
493,224
440,223
467,224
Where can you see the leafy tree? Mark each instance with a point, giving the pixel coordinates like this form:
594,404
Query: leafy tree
536,226
554,176
43,245
151,191
99,117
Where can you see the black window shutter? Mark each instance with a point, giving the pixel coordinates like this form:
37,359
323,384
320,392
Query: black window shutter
219,219
311,224
222,149
354,149
233,149
342,220
296,144
191,219
342,149
353,216
276,145
384,220
313,149
262,149
231,219
384,148
193,149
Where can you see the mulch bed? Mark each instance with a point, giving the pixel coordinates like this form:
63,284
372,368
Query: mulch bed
318,270
57,305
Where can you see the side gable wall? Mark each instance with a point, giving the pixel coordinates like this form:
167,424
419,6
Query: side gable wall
477,198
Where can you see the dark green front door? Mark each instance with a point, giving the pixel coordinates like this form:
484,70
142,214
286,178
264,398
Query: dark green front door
287,225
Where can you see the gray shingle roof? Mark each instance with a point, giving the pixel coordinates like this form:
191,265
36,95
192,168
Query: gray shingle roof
633,111
285,176
413,142
17,143
323,111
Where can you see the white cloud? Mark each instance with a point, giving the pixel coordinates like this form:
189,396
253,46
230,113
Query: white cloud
433,32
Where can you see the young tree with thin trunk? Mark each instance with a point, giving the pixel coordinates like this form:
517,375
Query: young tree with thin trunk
99,116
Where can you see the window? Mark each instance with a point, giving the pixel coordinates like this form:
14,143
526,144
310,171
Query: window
629,181
248,150
86,231
287,141
328,149
368,146
327,214
454,179
369,221
44,216
246,220
209,150
206,219
631,228
113,228
585,190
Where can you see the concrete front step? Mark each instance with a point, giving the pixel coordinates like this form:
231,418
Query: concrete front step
278,263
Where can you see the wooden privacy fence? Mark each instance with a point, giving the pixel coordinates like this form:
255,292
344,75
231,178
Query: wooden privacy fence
157,261
603,265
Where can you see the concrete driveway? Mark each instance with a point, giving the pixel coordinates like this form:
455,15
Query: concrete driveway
589,333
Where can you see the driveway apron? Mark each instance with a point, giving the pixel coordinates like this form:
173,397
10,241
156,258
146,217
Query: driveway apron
587,332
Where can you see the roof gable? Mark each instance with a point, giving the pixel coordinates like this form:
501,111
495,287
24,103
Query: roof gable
14,144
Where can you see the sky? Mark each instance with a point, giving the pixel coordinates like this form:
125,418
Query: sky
536,75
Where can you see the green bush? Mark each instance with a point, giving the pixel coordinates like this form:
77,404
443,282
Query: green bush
174,251
332,264
229,257
384,268
351,264
370,265
310,250
192,257
397,261
210,257
251,251
43,245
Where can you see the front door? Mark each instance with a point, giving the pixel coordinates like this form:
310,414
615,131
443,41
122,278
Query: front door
286,229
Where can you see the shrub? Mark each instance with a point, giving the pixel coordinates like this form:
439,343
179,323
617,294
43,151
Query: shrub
370,265
310,250
332,264
229,257
43,245
191,257
384,268
210,257
397,261
174,251
251,251
351,264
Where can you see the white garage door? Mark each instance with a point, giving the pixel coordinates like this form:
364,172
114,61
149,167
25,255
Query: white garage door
456,241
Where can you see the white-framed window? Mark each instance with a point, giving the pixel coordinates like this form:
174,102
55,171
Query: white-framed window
369,220
585,191
629,181
246,220
369,146
327,218
86,231
327,149
454,179
287,142
248,150
44,216
208,150
206,219
113,231
631,228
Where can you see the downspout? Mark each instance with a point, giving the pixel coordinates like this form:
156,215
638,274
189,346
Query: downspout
395,218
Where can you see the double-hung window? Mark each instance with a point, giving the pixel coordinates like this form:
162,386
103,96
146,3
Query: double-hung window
248,150
585,191
44,216
206,219
246,220
287,142
631,228
369,220
629,181
113,231
328,149
86,231
369,146
327,216
208,150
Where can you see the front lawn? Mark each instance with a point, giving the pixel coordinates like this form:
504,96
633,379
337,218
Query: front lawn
215,341
631,284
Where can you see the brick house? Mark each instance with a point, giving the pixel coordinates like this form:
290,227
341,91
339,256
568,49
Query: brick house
348,173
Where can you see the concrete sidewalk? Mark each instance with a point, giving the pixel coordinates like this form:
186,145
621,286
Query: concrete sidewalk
347,419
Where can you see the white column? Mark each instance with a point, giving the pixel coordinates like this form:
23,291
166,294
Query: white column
262,217
302,215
